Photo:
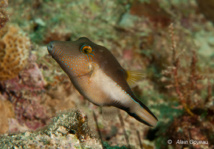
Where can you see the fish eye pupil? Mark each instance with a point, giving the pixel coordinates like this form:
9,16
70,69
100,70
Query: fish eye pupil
86,49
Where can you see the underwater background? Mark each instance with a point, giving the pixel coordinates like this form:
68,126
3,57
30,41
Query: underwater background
172,41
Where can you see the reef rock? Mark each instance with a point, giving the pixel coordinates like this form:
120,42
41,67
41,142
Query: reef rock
67,130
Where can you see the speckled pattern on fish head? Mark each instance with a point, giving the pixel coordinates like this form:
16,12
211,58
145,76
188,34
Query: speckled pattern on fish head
81,57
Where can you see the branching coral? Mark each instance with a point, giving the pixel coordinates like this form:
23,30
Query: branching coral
184,80
187,87
14,52
3,14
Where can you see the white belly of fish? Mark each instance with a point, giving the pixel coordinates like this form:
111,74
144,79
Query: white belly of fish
104,91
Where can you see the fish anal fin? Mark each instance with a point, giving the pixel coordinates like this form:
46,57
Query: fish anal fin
109,112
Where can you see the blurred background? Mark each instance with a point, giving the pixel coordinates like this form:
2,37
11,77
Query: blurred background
172,41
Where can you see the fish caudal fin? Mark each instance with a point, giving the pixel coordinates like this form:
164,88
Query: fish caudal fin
143,114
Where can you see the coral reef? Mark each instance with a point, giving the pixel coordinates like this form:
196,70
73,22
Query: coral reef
68,129
33,106
14,52
3,14
25,93
186,128
177,61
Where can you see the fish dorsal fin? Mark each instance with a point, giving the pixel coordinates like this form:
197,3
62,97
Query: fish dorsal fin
133,76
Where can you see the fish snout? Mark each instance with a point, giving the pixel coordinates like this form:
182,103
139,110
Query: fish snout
50,47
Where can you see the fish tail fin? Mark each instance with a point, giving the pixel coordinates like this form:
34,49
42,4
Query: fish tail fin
140,112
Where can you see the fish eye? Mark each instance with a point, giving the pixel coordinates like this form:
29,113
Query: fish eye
86,49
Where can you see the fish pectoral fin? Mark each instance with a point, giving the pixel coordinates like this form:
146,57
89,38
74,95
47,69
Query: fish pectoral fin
92,67
134,76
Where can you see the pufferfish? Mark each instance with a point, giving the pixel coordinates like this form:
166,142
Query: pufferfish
99,77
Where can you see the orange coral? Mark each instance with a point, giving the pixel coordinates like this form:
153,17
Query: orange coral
14,52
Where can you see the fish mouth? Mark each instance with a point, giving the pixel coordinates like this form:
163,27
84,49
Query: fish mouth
50,47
